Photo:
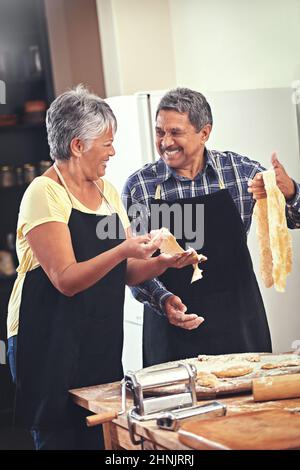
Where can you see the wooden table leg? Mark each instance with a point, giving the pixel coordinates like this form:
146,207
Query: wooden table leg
107,436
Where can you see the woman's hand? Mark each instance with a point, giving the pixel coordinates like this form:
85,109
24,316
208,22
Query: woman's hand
141,247
142,267
141,270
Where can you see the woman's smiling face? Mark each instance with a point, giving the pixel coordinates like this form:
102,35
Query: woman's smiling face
95,159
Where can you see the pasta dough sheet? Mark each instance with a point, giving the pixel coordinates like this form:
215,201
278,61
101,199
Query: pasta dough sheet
274,239
171,247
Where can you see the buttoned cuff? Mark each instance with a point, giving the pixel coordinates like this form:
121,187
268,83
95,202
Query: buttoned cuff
161,295
295,202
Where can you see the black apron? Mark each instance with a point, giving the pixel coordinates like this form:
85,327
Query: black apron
227,296
69,342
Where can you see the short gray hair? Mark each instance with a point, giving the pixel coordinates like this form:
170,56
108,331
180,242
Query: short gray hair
184,100
77,113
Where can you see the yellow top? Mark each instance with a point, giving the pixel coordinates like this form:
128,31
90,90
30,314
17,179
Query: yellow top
44,201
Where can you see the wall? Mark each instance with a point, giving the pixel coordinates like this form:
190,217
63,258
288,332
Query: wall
75,44
110,48
208,45
236,44
137,45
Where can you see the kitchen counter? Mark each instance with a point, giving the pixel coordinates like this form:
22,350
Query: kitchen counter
106,401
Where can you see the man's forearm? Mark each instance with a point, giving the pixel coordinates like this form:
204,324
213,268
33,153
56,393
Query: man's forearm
152,293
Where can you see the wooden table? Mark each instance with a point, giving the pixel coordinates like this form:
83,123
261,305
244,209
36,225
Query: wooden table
103,399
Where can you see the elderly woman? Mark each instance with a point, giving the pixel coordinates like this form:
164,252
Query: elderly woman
66,308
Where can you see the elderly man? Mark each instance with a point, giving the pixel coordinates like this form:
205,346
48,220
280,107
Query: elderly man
226,185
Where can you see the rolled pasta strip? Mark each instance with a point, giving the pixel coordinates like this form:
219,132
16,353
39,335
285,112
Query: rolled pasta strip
275,243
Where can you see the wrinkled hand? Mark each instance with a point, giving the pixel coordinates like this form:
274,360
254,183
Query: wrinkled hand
180,260
141,247
175,311
284,182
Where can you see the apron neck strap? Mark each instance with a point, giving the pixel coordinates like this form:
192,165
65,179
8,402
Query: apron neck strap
61,178
110,207
217,167
157,192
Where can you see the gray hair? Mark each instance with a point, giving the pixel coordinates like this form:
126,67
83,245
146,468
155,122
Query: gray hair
77,113
184,100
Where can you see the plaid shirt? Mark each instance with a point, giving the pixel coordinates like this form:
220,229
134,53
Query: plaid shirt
236,171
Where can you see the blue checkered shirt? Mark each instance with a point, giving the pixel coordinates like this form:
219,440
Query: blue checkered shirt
236,171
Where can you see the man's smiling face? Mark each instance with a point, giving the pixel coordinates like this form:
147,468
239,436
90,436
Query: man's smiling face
177,141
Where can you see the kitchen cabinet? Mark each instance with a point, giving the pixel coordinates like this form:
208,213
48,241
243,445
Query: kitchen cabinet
25,69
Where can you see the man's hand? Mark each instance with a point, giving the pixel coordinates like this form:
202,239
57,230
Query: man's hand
284,182
175,311
179,260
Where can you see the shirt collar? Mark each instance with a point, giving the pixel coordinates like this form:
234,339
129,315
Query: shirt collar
164,172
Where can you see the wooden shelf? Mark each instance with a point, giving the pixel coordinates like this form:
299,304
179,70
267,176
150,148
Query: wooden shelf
22,127
16,187
25,81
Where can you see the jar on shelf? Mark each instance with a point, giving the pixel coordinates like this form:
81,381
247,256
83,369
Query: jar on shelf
7,267
11,241
29,172
34,61
6,176
11,247
19,180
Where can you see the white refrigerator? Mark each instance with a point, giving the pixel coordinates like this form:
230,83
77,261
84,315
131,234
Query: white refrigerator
250,122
